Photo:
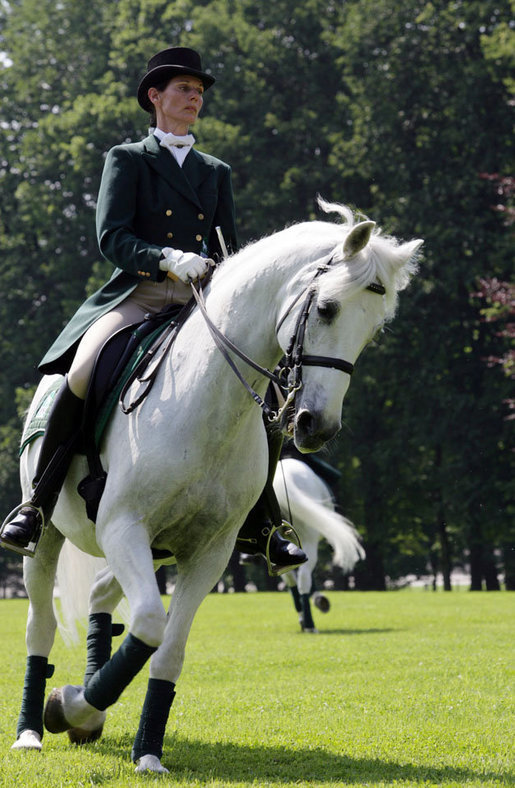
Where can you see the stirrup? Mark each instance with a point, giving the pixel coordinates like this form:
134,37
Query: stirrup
30,549
288,532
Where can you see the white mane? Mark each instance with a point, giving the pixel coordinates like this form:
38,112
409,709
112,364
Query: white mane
383,260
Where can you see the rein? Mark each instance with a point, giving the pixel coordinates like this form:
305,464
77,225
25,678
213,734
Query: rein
295,358
222,343
290,368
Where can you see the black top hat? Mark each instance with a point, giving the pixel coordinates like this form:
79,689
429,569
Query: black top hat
167,64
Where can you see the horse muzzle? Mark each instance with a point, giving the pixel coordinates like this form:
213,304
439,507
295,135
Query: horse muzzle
311,430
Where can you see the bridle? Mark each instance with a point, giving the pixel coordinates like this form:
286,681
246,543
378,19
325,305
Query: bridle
289,376
295,358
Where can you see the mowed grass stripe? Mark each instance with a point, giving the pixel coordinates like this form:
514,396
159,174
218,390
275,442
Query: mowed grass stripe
403,688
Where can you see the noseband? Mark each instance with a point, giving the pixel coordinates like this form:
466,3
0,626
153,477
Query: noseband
295,358
289,377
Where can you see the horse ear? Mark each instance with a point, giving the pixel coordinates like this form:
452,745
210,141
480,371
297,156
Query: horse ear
358,238
412,247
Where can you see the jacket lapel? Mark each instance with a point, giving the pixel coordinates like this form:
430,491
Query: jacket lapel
185,180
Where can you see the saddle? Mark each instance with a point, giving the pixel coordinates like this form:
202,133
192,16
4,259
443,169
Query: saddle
123,358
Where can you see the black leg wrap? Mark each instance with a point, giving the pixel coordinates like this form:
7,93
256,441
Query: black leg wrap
152,724
100,632
31,713
296,598
108,683
306,612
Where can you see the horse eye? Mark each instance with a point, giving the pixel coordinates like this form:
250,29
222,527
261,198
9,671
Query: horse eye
328,309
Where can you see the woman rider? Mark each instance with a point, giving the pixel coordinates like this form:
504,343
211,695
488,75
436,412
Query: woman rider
158,206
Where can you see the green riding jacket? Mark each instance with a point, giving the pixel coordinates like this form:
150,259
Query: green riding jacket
146,202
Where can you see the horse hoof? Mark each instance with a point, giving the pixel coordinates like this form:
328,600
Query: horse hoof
83,736
79,714
322,603
28,740
150,763
53,715
311,630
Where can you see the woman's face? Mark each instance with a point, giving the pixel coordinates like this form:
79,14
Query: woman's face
178,105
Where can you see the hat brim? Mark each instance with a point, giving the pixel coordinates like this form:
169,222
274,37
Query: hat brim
160,73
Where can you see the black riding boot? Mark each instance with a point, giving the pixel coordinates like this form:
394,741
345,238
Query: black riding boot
254,535
57,449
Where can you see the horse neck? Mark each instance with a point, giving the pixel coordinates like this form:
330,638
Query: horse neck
245,303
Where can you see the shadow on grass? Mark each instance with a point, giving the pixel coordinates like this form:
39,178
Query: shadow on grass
324,631
200,761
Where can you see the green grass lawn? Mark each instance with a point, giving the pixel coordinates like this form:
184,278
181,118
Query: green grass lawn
406,688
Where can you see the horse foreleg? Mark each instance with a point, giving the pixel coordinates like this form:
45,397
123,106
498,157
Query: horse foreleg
39,574
128,553
194,582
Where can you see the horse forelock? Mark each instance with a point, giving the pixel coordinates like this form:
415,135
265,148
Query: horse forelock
374,264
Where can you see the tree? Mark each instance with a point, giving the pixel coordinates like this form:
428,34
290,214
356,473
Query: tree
395,108
428,118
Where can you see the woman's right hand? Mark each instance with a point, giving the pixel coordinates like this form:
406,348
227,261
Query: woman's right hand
186,266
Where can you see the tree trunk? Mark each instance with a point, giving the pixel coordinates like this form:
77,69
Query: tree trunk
445,558
369,574
490,572
441,528
483,568
476,575
508,551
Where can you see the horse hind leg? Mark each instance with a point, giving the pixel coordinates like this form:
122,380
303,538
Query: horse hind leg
304,582
105,595
321,602
290,579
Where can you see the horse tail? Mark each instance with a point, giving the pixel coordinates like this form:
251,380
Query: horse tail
337,529
76,572
305,498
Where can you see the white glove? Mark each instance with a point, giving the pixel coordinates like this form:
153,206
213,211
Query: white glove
186,266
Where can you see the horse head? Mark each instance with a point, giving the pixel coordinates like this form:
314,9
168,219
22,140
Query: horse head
351,294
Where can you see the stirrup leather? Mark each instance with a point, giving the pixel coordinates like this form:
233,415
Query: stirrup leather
30,550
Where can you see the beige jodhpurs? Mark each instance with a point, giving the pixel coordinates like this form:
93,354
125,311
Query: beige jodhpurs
147,297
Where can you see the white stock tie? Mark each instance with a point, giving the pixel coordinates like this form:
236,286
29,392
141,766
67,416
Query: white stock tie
174,141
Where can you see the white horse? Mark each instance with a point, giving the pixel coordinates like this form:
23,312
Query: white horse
186,467
307,502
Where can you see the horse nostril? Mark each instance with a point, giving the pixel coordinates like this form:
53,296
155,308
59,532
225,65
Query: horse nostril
311,431
305,422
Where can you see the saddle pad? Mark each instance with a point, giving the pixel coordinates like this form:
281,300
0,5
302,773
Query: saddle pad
37,424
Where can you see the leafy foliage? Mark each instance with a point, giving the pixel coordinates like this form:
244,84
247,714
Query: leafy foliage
396,108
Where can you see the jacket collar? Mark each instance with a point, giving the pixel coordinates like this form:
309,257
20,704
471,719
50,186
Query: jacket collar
185,179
